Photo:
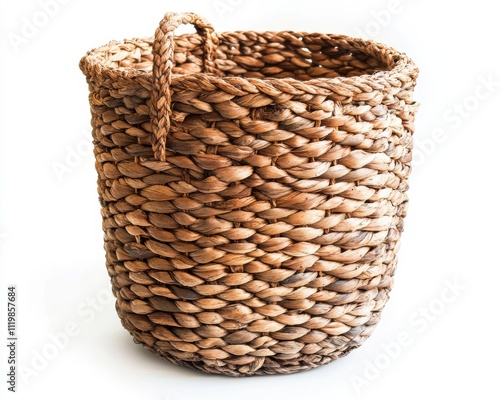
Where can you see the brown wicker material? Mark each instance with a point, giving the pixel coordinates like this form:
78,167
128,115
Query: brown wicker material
253,188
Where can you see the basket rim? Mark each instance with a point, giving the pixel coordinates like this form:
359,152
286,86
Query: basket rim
403,67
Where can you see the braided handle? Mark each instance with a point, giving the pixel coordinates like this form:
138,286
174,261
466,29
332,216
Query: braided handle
163,61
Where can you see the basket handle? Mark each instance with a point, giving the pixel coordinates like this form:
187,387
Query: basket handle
163,61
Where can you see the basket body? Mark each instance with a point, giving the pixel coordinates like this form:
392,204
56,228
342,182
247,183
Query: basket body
266,241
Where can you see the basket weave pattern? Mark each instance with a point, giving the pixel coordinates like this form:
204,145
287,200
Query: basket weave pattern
253,190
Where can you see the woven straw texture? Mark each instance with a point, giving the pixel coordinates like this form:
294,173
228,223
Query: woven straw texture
253,189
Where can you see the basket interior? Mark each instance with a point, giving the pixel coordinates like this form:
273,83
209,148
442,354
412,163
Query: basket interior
257,55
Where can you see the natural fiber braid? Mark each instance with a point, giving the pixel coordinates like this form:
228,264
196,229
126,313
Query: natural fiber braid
163,52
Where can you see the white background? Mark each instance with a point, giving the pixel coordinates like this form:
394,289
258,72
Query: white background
50,224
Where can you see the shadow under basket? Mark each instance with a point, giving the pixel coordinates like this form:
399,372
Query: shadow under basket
253,189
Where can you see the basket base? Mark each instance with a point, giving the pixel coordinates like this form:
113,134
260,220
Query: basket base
261,366
333,347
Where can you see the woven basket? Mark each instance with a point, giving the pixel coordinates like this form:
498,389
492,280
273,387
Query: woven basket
253,190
